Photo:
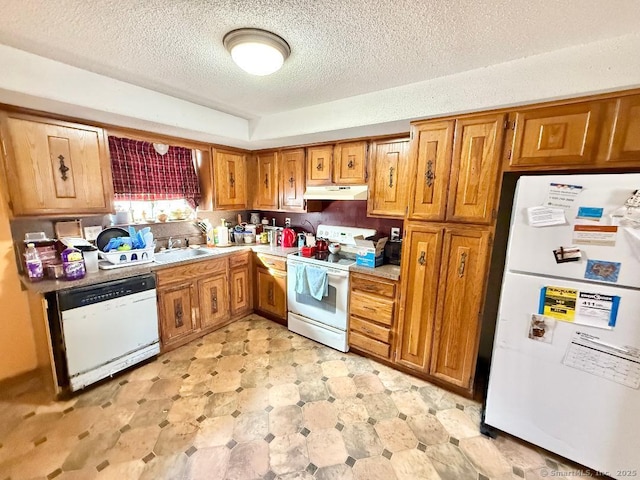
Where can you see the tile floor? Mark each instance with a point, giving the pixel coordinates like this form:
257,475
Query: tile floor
254,401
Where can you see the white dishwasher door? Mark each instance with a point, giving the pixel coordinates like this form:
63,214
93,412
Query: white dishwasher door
98,334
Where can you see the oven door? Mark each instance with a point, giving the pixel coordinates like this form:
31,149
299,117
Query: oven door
332,309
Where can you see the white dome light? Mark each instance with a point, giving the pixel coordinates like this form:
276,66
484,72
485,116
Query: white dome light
257,52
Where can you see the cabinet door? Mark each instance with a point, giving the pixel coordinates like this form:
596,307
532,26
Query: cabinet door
350,163
230,179
625,139
460,300
56,167
389,175
474,169
431,147
272,292
177,311
319,160
214,301
267,182
562,135
420,269
292,183
240,297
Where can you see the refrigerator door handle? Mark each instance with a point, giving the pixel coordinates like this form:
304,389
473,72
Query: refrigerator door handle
461,266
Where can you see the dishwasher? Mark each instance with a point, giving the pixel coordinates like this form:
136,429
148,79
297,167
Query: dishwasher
99,330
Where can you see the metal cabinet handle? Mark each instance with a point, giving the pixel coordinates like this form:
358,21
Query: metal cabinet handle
463,262
422,260
351,164
214,302
319,166
291,181
266,180
429,175
63,168
232,181
178,313
391,177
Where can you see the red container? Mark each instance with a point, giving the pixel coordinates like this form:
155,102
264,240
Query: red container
308,251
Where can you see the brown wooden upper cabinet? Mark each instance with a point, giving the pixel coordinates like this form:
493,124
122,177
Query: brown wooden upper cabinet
623,142
455,169
291,166
265,185
54,167
230,179
277,180
555,136
344,163
388,192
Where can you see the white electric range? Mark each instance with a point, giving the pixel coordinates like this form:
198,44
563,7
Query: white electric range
327,320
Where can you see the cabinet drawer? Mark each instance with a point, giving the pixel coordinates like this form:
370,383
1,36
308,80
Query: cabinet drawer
239,260
187,272
371,329
369,345
366,284
378,309
271,261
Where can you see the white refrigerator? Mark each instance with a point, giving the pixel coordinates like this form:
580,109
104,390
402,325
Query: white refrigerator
565,369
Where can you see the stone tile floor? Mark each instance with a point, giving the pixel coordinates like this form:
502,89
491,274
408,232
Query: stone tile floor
254,401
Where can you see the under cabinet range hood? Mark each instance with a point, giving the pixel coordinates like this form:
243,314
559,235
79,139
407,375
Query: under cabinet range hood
336,192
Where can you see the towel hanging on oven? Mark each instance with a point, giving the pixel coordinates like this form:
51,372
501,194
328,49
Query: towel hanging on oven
312,281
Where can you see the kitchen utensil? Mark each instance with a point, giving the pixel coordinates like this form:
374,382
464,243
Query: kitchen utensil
322,245
288,238
107,234
334,247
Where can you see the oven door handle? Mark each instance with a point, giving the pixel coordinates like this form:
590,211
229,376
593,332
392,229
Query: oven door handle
338,275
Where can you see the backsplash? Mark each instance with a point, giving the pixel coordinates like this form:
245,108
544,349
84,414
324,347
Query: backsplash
348,213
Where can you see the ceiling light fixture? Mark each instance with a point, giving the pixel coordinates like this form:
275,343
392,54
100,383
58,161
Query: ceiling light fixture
256,51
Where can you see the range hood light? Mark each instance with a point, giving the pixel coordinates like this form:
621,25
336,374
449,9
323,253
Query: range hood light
334,192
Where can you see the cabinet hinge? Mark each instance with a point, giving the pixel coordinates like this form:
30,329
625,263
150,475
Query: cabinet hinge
406,210
509,125
411,135
494,214
506,125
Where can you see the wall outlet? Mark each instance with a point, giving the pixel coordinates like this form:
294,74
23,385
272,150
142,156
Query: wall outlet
395,234
287,222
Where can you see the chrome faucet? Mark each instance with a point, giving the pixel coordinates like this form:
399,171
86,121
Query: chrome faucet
171,243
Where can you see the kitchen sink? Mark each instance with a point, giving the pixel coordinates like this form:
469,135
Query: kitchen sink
170,256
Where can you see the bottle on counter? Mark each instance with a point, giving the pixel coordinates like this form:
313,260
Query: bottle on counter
33,263
222,234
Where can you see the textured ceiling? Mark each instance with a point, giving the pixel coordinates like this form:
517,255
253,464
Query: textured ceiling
340,48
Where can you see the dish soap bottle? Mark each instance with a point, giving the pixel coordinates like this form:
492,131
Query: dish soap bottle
33,263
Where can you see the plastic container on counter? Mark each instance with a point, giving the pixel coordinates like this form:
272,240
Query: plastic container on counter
35,271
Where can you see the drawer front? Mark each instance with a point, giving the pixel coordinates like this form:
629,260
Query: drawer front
187,272
367,284
370,329
271,261
378,309
239,259
369,345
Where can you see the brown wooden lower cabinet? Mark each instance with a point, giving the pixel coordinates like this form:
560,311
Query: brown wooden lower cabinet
443,286
198,297
271,287
372,314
